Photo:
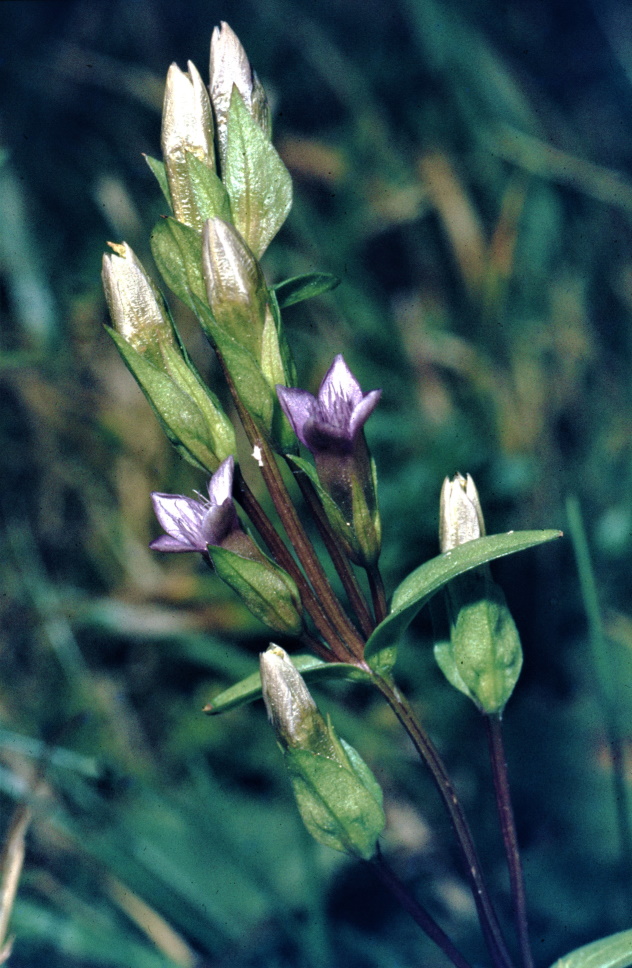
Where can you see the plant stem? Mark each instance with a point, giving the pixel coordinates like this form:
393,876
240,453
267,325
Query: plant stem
342,566
282,555
425,921
345,640
430,756
508,829
377,593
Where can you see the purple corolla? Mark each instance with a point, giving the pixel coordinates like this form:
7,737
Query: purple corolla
193,525
330,425
332,422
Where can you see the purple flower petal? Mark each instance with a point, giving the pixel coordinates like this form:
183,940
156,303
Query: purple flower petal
339,384
333,420
193,525
362,411
298,406
220,486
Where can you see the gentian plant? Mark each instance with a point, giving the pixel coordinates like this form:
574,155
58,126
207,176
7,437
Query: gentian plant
229,193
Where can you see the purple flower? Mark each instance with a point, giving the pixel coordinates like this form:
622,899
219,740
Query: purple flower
193,525
332,421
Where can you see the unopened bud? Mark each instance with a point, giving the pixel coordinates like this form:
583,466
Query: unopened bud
230,67
187,129
235,285
338,797
291,710
136,306
480,652
460,515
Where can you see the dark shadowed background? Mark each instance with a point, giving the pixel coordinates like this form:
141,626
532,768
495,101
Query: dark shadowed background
464,167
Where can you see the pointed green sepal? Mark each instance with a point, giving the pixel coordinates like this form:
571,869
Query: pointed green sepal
339,799
299,288
481,655
208,194
181,418
258,183
160,173
419,587
251,386
264,588
177,251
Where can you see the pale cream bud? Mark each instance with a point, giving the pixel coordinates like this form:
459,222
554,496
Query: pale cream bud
460,515
187,128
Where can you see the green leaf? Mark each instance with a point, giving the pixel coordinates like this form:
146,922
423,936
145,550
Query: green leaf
425,581
209,195
614,951
258,183
160,173
310,667
177,251
296,290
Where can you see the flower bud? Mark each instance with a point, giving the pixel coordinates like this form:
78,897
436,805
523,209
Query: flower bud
291,710
189,412
235,285
460,515
229,67
338,797
137,308
187,129
480,653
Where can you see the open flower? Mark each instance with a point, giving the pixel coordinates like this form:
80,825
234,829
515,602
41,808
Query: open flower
334,419
193,525
330,425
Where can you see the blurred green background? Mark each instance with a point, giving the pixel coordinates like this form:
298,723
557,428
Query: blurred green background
464,167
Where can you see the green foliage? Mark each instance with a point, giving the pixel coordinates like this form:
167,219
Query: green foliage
429,578
612,952
293,291
311,668
265,589
339,800
258,183
501,339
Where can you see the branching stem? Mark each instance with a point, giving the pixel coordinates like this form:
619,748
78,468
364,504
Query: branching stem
430,756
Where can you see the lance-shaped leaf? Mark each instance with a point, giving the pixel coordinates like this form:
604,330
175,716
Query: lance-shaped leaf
615,951
299,288
311,668
419,587
264,588
187,129
258,183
